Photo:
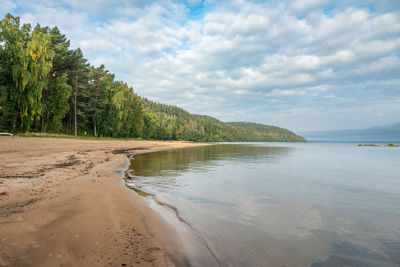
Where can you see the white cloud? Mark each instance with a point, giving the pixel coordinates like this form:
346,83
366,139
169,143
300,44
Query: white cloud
306,5
7,6
287,93
376,68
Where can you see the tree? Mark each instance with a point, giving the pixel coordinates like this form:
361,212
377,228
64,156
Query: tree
11,44
30,60
57,92
79,76
58,105
128,110
99,79
150,121
104,115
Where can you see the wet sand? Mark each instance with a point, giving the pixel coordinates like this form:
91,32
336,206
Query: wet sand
63,203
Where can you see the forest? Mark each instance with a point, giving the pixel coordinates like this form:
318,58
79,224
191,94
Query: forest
45,86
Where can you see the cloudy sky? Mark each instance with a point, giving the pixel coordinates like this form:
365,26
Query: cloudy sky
302,65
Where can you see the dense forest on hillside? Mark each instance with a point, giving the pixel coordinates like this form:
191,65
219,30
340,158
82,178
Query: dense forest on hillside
255,132
180,124
45,86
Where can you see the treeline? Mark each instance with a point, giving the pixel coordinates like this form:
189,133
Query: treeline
45,86
177,123
255,132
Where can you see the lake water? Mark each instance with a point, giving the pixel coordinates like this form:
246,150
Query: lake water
283,204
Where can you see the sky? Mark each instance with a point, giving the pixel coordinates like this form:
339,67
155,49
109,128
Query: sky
299,64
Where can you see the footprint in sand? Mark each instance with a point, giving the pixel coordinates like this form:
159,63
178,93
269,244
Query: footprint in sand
35,244
31,229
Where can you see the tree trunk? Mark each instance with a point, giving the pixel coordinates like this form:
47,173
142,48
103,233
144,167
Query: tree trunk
69,125
95,111
44,104
75,95
14,122
37,122
42,127
46,121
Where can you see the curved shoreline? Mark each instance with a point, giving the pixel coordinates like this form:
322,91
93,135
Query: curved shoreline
129,183
62,203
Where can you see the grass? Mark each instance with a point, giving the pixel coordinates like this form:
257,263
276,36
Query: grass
87,137
68,136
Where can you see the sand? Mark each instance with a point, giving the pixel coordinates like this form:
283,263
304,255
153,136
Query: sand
63,203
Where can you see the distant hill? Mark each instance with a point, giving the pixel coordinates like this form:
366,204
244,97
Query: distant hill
178,124
255,132
379,133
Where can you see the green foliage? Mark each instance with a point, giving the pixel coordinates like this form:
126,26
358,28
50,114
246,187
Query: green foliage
26,62
176,123
150,121
58,104
44,84
390,144
128,112
55,96
255,132
30,70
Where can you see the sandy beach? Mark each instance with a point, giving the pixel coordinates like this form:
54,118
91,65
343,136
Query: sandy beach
63,203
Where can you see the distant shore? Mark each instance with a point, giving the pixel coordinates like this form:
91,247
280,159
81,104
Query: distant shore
62,202
388,145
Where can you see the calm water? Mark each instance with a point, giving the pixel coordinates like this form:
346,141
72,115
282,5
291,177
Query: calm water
290,204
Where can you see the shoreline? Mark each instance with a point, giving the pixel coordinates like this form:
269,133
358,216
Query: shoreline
62,203
200,251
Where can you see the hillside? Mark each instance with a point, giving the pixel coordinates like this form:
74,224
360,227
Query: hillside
181,125
255,132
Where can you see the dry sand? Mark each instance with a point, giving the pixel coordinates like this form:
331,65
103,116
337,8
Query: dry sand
63,203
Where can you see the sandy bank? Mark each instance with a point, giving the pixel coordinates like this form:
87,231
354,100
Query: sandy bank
62,203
